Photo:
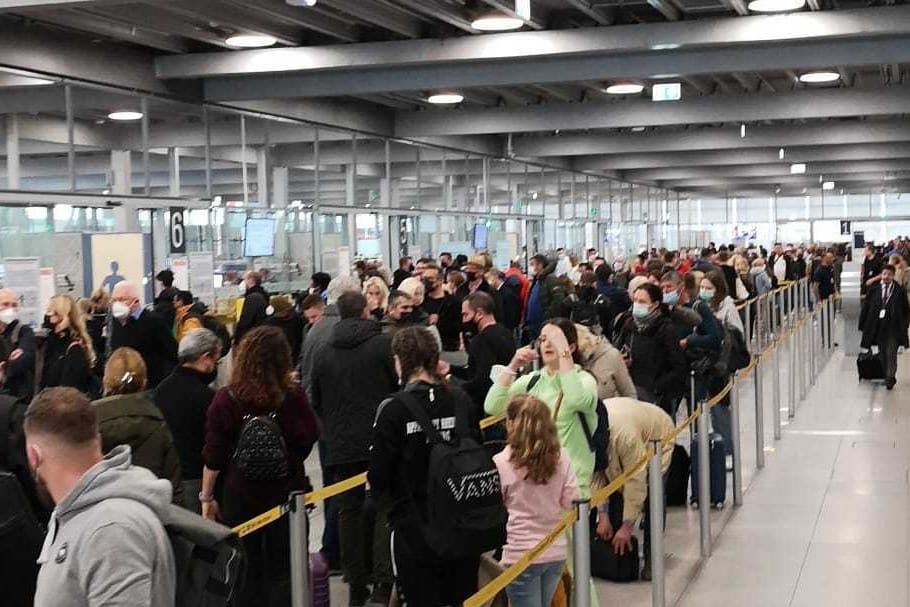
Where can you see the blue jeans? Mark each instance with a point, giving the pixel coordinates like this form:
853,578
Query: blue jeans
536,586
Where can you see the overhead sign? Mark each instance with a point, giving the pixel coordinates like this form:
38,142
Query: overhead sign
178,230
666,91
845,227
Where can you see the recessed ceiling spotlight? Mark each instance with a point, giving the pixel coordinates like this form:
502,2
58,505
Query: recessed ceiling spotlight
797,169
819,77
828,185
625,88
445,98
780,153
776,6
125,115
250,41
497,22
742,131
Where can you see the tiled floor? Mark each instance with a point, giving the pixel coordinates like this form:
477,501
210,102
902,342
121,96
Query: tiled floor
824,523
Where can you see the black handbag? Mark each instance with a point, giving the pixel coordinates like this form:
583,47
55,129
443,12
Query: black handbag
608,565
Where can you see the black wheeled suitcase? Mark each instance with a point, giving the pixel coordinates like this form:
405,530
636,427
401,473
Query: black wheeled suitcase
869,366
717,464
677,483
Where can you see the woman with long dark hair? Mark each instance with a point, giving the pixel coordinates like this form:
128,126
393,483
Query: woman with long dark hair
261,400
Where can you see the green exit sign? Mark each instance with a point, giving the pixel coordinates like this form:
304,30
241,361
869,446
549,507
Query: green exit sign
593,212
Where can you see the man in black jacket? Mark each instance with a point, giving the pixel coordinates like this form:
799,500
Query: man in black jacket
443,309
164,301
255,302
353,374
20,366
511,301
884,320
184,398
143,331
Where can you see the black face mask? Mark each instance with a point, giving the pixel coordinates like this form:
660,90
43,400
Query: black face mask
47,324
429,286
470,276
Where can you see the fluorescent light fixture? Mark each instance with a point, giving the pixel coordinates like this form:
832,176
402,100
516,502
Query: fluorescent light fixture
638,129
780,153
445,98
776,6
666,91
819,77
625,88
250,41
125,115
301,2
797,169
664,47
742,131
497,22
828,185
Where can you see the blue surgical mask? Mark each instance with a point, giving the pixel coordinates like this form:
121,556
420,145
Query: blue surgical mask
706,295
640,310
671,298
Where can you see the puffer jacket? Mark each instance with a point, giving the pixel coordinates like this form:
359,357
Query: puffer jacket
135,420
605,363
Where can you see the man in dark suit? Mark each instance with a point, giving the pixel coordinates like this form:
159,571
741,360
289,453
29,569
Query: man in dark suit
511,303
884,320
143,331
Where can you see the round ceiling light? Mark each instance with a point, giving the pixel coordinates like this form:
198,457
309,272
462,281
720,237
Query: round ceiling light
497,22
625,88
638,129
250,41
776,6
819,77
445,98
125,115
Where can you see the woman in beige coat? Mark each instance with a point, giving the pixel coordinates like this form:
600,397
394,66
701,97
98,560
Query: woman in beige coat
605,363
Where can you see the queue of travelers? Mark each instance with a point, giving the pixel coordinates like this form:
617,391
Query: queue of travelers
123,416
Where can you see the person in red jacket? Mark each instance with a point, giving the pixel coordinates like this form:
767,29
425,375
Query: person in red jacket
515,274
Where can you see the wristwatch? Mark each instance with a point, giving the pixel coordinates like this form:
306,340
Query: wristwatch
205,499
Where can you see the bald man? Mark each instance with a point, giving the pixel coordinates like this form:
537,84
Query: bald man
20,368
143,330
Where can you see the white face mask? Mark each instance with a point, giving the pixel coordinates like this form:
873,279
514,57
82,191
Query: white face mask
120,310
242,288
9,315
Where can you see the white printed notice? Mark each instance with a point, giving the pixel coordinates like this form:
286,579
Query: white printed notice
23,275
202,277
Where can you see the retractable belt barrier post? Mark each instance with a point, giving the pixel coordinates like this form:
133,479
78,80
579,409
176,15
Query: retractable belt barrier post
737,445
656,498
748,326
791,373
301,584
581,551
775,384
704,480
759,416
813,339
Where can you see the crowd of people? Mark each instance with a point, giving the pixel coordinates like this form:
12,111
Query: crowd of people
379,372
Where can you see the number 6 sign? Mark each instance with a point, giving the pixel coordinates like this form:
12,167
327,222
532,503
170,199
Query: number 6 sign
178,230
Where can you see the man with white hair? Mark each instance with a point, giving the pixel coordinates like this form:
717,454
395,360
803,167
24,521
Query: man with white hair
143,331
184,398
317,339
20,369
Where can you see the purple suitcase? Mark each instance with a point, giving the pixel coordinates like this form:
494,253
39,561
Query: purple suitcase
319,575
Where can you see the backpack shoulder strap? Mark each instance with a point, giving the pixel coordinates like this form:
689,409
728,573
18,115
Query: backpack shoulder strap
535,377
14,336
420,416
589,436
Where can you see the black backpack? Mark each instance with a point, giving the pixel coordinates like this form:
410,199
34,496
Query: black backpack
261,453
208,557
599,440
465,513
585,311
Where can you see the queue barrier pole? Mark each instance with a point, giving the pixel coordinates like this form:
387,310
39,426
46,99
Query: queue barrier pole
301,583
656,499
581,550
748,316
704,480
759,416
737,444
775,384
791,374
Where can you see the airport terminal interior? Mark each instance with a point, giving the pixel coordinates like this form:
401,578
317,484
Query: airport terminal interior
296,137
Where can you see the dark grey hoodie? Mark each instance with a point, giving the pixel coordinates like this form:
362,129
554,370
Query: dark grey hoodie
105,543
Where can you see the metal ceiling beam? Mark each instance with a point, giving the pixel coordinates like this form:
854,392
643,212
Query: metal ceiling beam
584,7
667,9
828,133
803,104
781,169
9,5
356,116
737,5
801,180
385,17
752,156
74,57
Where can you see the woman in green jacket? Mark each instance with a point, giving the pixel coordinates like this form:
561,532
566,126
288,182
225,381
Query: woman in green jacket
567,389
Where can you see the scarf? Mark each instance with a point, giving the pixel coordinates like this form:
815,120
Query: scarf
643,324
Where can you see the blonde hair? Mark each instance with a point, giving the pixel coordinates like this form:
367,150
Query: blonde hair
740,264
758,262
532,438
124,373
379,283
73,318
410,286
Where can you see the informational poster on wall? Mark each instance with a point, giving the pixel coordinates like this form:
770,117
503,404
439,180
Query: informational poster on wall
117,257
201,277
344,261
23,275
47,285
180,266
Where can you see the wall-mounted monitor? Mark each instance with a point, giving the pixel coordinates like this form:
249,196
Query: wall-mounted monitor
481,236
259,237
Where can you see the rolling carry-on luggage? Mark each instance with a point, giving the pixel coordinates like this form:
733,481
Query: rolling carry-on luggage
717,457
677,483
869,366
319,574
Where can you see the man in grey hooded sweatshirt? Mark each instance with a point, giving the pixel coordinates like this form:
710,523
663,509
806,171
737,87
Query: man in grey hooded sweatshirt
105,542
